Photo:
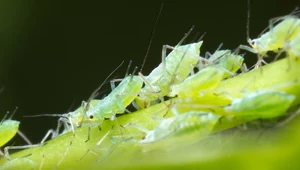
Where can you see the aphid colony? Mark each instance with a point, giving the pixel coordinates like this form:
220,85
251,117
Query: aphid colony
187,86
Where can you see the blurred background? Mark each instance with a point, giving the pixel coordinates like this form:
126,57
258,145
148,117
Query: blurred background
54,54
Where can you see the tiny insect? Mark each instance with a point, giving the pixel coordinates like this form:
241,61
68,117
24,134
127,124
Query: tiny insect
93,112
262,104
8,129
174,69
179,124
222,65
226,60
279,38
115,102
206,78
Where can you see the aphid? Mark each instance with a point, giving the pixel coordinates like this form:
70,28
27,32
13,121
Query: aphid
93,112
279,38
261,104
116,102
8,129
176,125
222,65
226,60
174,69
206,78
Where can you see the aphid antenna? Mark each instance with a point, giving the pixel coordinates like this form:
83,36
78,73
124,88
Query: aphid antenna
128,67
208,54
7,113
152,36
13,113
201,37
134,71
174,75
248,21
185,52
95,92
48,115
4,117
219,47
185,36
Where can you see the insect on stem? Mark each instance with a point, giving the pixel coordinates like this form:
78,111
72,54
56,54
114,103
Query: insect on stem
94,94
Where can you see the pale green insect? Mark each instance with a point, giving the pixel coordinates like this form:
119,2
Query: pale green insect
282,37
115,103
263,104
224,59
8,129
176,125
176,67
93,112
205,79
223,64
278,37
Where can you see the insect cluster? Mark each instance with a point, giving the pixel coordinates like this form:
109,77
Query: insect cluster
182,95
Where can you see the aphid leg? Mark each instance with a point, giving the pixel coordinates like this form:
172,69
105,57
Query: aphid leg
68,125
154,90
136,125
288,119
203,59
49,132
244,68
135,105
64,156
104,137
97,145
112,83
24,137
88,134
164,111
42,162
6,153
165,47
245,47
90,151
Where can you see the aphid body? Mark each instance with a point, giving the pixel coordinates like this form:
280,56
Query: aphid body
114,103
180,124
262,104
177,66
278,37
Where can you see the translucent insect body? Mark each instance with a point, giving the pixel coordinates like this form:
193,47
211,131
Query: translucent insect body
115,102
176,67
8,129
278,37
262,104
181,123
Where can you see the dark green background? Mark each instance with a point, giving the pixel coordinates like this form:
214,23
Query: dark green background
53,54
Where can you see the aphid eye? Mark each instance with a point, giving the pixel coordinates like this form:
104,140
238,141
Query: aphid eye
253,42
91,116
